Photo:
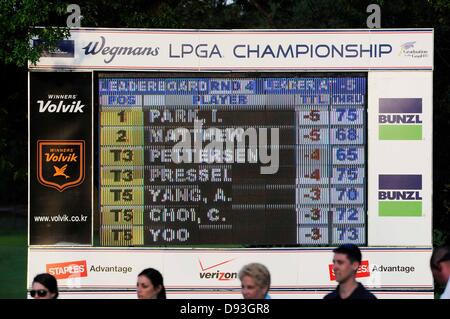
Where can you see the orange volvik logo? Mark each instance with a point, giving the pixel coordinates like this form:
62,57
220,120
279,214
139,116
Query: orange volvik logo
69,269
363,270
60,163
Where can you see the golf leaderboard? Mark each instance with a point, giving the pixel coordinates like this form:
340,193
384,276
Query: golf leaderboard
315,197
191,150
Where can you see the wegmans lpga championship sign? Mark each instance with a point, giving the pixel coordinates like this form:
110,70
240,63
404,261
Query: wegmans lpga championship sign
244,50
214,138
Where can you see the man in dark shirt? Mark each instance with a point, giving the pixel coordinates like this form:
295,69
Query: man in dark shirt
346,261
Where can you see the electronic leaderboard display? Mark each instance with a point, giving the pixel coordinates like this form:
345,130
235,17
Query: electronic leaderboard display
197,152
254,159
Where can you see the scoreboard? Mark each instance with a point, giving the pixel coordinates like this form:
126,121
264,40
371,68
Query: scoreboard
273,160
196,152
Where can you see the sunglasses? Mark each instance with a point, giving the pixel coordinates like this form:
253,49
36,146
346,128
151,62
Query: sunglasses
40,293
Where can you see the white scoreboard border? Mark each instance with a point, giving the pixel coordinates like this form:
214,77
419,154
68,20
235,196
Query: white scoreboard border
404,231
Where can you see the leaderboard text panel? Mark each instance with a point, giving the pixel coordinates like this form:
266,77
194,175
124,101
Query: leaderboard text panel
311,130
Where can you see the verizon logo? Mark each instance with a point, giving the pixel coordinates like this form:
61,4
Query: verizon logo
69,269
363,270
50,106
206,272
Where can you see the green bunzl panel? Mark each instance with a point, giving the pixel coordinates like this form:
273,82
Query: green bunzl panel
405,208
400,132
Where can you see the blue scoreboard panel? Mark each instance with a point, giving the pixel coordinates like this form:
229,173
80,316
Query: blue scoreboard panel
182,159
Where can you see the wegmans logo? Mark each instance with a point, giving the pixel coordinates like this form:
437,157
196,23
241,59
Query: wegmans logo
400,119
400,195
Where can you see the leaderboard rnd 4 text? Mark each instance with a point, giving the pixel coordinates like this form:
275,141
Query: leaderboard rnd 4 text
219,195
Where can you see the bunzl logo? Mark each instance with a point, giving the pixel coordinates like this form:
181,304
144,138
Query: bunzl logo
212,271
363,270
400,195
71,269
400,119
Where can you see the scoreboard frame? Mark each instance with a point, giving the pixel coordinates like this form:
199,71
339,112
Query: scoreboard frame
398,171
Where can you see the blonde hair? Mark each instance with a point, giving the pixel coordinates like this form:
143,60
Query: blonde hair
258,272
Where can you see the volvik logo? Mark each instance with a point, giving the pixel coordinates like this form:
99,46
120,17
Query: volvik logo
363,270
71,269
60,163
61,103
59,107
211,272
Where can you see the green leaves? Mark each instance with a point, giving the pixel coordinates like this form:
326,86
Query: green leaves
19,23
439,237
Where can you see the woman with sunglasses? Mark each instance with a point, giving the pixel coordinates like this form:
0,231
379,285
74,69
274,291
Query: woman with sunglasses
44,286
